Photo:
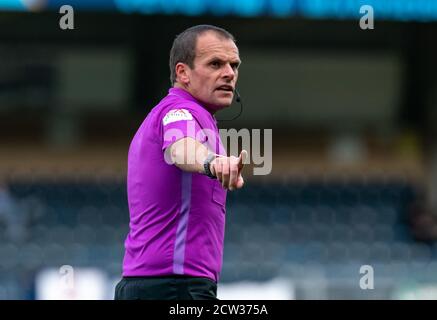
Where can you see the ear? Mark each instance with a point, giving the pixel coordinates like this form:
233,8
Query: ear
182,73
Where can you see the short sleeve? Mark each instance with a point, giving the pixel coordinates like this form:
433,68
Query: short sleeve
178,124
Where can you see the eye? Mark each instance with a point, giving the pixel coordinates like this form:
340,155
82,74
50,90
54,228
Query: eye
215,64
235,65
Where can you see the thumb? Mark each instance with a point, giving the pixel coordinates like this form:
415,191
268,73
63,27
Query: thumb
240,181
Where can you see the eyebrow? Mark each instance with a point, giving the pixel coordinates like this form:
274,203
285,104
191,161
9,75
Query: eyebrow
223,60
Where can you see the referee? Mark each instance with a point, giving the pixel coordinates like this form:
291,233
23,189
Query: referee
179,174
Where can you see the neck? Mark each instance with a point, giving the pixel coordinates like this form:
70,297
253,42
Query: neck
180,86
205,105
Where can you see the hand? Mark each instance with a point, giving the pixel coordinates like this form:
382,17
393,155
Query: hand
228,170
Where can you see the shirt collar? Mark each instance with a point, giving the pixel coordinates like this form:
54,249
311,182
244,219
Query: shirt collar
181,93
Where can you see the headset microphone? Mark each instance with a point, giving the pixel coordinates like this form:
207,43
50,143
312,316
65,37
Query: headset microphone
238,100
237,96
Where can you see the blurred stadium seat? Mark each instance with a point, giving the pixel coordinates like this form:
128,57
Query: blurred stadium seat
260,238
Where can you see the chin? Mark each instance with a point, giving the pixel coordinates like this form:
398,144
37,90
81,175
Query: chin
224,103
220,104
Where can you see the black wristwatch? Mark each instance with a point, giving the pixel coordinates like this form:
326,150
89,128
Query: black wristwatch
206,165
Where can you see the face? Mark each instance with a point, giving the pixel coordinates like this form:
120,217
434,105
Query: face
214,75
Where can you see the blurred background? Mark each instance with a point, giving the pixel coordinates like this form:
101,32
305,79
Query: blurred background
353,114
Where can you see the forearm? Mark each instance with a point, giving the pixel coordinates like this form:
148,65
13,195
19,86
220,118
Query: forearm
188,155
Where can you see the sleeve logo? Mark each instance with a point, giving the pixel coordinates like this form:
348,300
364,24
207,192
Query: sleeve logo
177,115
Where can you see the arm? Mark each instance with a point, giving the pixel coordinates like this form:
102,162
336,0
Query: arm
189,155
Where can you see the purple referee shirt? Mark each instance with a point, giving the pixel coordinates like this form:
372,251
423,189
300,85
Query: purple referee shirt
177,219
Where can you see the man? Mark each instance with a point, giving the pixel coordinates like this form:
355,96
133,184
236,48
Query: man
178,175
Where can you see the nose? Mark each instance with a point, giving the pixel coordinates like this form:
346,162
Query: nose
228,72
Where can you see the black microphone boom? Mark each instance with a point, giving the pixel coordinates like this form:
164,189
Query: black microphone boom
237,96
238,100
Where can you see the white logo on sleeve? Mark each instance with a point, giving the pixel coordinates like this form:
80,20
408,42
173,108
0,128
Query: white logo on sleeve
177,115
